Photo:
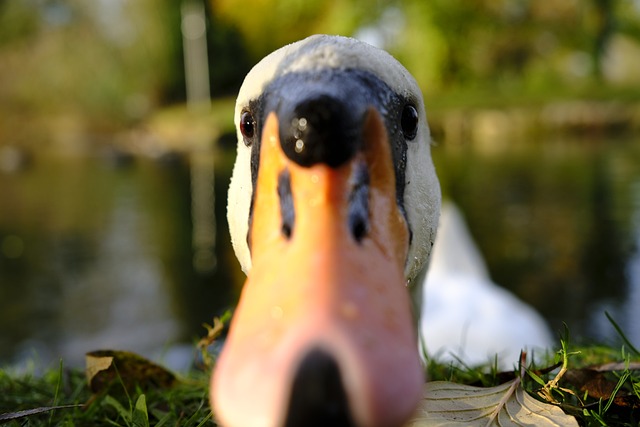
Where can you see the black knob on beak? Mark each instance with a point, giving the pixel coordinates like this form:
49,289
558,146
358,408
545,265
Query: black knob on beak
320,129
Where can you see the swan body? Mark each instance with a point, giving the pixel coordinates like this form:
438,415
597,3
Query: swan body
465,316
333,207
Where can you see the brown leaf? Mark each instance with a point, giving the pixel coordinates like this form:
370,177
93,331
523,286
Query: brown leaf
595,383
107,367
629,401
599,384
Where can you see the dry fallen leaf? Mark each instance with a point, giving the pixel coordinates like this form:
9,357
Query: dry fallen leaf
595,383
105,367
598,382
450,404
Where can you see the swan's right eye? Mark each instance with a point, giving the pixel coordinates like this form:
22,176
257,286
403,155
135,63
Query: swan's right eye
409,122
247,127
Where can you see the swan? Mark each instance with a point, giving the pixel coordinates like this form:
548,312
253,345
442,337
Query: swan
466,318
333,207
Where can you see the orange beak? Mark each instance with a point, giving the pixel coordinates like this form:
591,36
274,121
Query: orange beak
324,323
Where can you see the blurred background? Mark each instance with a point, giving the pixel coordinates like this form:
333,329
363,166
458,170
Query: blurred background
116,146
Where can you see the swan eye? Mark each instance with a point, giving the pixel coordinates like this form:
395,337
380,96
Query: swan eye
409,121
247,127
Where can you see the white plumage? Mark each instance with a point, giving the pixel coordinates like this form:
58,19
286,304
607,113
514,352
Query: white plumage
465,316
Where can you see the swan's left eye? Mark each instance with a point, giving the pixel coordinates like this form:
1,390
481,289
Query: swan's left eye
247,127
409,121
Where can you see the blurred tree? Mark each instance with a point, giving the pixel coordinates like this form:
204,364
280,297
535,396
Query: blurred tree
267,25
17,22
100,65
604,29
628,18
229,59
115,61
421,45
512,43
449,43
227,55
487,41
104,60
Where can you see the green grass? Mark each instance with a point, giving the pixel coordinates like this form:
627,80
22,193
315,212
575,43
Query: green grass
185,403
599,385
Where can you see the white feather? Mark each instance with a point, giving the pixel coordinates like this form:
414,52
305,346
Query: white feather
466,317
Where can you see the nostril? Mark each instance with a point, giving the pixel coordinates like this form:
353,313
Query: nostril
359,203
318,397
287,211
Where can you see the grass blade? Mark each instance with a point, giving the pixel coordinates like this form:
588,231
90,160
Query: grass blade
622,334
10,416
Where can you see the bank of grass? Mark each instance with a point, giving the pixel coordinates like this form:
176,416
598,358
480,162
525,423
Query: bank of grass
183,404
176,128
509,95
598,384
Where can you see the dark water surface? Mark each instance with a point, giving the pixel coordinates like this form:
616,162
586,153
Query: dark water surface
558,222
97,252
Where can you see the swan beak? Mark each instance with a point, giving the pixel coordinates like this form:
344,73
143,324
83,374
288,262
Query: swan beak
323,334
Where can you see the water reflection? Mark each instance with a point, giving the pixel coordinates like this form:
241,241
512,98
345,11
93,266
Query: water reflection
97,254
120,299
553,219
625,310
633,273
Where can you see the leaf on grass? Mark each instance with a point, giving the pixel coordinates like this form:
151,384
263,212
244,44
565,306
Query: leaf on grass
450,404
106,367
595,383
599,383
35,411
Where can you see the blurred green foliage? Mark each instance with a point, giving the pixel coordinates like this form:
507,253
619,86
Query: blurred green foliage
76,67
449,44
100,65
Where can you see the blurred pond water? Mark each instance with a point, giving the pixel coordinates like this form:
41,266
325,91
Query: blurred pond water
558,222
97,253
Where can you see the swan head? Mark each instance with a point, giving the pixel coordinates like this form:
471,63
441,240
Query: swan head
333,206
